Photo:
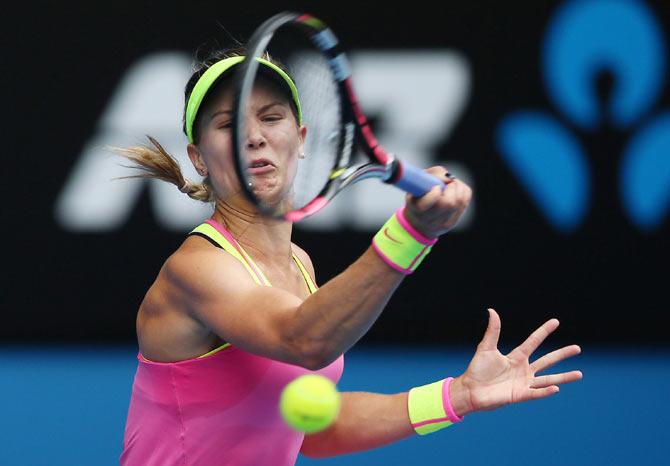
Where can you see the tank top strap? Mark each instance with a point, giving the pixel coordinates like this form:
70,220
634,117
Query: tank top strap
221,237
308,279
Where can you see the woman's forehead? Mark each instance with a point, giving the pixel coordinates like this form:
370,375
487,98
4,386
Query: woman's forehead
262,93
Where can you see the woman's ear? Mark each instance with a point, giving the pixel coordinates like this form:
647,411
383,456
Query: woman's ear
196,159
303,135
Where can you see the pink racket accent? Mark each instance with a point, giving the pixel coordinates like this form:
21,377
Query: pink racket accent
370,139
316,204
381,155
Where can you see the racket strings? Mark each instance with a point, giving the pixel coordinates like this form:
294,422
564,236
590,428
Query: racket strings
320,101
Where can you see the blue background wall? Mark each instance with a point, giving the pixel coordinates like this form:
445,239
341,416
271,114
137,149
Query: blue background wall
66,406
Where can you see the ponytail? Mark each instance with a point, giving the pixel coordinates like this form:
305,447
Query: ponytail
156,162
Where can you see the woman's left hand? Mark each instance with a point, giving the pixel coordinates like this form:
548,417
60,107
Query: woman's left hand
493,379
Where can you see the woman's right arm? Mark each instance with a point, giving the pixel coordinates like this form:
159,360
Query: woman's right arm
274,323
311,333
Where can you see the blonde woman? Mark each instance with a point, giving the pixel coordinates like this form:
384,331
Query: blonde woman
235,314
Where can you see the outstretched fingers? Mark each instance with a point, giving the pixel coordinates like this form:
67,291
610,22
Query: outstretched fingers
492,334
556,379
536,338
548,360
537,393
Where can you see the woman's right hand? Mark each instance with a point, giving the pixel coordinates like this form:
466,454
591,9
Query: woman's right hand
438,211
493,380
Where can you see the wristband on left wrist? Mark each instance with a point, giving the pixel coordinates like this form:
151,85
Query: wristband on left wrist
430,408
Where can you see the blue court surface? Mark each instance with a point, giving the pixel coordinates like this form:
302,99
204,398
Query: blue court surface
67,406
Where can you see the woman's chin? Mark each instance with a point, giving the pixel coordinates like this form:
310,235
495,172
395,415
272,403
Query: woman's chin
273,197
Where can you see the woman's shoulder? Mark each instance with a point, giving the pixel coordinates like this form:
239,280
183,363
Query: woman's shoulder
196,259
302,255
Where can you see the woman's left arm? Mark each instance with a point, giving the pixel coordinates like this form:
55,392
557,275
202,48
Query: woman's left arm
366,421
492,380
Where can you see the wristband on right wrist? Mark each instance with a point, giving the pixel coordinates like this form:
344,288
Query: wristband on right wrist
430,408
400,245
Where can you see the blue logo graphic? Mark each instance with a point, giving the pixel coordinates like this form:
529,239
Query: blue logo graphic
584,39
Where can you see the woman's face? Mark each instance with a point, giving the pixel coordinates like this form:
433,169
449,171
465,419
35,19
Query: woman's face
273,143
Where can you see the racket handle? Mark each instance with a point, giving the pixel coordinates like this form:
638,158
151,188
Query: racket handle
413,180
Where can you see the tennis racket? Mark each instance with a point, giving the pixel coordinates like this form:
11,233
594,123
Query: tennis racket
336,126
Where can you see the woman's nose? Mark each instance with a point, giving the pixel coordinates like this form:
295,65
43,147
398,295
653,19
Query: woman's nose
255,138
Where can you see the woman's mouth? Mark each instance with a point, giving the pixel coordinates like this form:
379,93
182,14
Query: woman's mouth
261,166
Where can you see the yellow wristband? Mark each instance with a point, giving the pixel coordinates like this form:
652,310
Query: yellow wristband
430,408
400,245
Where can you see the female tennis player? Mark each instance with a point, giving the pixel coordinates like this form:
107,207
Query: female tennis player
234,313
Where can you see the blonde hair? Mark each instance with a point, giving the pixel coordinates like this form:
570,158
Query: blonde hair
155,162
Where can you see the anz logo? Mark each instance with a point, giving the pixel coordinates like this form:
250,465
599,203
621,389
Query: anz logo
584,39
413,120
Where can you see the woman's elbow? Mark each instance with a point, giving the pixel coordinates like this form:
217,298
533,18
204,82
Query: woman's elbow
315,355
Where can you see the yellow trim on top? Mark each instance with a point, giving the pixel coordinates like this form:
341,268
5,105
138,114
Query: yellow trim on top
308,279
247,257
215,350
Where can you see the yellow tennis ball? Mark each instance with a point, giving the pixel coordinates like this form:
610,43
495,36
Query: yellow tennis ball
310,403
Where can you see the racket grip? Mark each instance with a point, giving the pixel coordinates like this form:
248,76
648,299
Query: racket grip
414,180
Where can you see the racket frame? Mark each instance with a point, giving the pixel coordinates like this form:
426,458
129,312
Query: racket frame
356,130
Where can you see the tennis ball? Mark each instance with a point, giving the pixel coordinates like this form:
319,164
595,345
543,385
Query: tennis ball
310,403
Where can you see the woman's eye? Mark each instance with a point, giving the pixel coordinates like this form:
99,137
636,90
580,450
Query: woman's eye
271,118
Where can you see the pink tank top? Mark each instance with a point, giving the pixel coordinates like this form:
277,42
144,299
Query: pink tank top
218,409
